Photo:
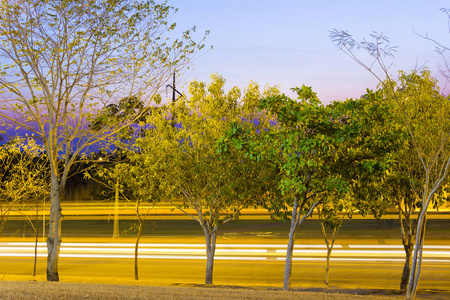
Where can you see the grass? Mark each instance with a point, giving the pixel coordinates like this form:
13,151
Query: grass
68,290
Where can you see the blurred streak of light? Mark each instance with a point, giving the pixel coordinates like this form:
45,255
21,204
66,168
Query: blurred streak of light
148,245
130,256
384,253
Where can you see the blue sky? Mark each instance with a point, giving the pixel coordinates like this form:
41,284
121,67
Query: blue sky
287,42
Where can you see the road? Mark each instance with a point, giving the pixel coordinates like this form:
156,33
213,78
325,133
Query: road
353,265
249,252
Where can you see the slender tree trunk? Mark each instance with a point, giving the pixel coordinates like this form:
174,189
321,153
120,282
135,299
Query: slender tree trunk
36,238
43,220
407,266
408,236
327,268
290,248
295,223
116,233
136,247
417,257
289,254
329,246
210,238
54,235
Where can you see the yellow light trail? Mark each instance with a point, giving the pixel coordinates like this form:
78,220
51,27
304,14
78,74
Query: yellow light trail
127,211
251,252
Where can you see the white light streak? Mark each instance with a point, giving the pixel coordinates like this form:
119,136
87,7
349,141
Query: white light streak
249,252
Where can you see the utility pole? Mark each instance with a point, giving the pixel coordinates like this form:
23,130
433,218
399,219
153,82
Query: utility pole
174,90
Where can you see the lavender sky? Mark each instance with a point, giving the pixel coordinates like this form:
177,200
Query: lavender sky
287,42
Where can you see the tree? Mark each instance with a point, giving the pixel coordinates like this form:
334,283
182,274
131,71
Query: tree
424,113
179,152
117,174
7,158
24,181
64,60
23,176
331,215
401,187
316,150
441,48
407,180
126,108
103,173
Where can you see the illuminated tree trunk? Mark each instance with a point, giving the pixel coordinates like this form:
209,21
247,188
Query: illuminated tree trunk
136,247
54,235
329,250
416,266
290,251
295,223
210,238
407,266
407,227
36,229
116,232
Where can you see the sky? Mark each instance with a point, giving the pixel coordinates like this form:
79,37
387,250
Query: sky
287,42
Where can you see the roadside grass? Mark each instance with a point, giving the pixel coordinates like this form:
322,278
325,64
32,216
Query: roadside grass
69,290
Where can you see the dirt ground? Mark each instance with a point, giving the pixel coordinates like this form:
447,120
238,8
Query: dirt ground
68,290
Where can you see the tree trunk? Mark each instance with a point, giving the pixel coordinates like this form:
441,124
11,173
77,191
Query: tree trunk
54,235
327,269
406,267
136,247
116,233
290,247
417,257
210,238
36,238
328,244
295,223
408,236
289,254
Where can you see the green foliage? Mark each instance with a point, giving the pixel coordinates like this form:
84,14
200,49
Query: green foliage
424,114
418,104
316,148
177,157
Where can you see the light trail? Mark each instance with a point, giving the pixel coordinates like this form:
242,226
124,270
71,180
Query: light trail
250,252
105,211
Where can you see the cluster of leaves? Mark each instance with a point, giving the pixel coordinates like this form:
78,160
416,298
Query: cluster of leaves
177,156
23,171
317,148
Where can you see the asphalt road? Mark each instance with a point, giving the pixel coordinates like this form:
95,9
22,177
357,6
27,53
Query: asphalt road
250,252
352,265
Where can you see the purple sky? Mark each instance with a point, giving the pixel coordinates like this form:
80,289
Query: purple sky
287,42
